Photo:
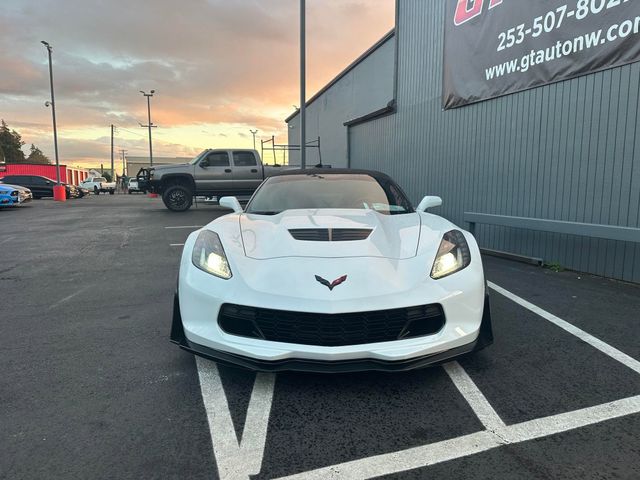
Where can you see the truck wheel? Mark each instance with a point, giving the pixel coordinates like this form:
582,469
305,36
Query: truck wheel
96,191
178,198
112,191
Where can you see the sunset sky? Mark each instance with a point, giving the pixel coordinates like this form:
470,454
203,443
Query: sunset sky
219,67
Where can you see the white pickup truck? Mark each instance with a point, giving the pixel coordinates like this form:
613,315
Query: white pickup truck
99,185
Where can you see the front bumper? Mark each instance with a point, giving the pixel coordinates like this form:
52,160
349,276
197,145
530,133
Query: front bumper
146,183
7,201
484,338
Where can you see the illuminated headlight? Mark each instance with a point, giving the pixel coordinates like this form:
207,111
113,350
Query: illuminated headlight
208,255
453,255
14,193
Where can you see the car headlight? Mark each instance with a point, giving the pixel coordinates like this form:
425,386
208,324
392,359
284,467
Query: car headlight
208,255
453,255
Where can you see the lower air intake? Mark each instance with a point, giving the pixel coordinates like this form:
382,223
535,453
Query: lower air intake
331,330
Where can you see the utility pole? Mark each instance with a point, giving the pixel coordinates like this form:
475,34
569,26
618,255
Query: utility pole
149,125
123,152
303,86
112,169
253,132
53,112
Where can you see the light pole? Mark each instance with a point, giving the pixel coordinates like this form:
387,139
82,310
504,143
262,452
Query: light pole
303,93
149,125
253,132
52,104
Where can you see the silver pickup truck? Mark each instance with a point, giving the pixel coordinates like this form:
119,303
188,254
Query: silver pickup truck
213,173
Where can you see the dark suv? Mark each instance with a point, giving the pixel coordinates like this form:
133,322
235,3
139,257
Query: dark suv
39,186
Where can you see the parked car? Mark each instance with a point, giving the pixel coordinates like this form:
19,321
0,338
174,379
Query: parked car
40,186
99,185
12,195
133,186
213,173
82,192
331,271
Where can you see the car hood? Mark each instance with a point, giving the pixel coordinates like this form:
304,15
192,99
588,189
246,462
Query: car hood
168,168
13,187
392,236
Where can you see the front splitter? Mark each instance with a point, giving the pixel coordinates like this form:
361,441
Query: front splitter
178,337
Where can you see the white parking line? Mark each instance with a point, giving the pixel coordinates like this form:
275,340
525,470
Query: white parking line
8,239
176,244
466,445
404,460
184,227
236,460
66,299
605,348
474,397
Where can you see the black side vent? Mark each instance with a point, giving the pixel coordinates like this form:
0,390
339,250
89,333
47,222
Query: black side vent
330,234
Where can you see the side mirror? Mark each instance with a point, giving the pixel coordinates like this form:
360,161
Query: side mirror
230,202
203,164
429,202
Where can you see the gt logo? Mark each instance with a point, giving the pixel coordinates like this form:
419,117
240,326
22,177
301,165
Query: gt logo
331,285
468,9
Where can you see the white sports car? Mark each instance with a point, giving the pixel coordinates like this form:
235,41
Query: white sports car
331,270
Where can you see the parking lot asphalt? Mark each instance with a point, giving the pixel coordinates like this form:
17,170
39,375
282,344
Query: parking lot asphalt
92,388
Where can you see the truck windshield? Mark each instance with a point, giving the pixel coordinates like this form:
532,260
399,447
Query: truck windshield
198,157
331,190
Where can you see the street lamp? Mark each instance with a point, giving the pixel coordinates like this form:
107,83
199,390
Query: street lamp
149,125
253,132
52,103
303,85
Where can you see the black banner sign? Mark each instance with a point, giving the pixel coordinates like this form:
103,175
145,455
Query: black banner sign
496,47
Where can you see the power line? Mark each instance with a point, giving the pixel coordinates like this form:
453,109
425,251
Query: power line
129,131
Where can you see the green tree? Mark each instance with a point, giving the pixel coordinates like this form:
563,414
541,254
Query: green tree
36,156
107,176
11,144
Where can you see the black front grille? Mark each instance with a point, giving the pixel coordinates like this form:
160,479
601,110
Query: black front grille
331,330
330,234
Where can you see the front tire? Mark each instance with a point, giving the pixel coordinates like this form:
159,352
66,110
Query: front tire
178,198
96,191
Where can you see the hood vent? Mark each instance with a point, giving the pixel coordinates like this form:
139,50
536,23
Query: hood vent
330,234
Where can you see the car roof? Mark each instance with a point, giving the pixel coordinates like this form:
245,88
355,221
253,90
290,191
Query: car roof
336,171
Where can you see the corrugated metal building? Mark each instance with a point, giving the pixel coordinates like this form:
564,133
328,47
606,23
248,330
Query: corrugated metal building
565,151
364,87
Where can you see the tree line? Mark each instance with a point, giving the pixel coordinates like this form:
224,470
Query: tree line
11,144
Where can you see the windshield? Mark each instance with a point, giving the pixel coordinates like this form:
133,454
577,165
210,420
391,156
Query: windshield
200,155
344,190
